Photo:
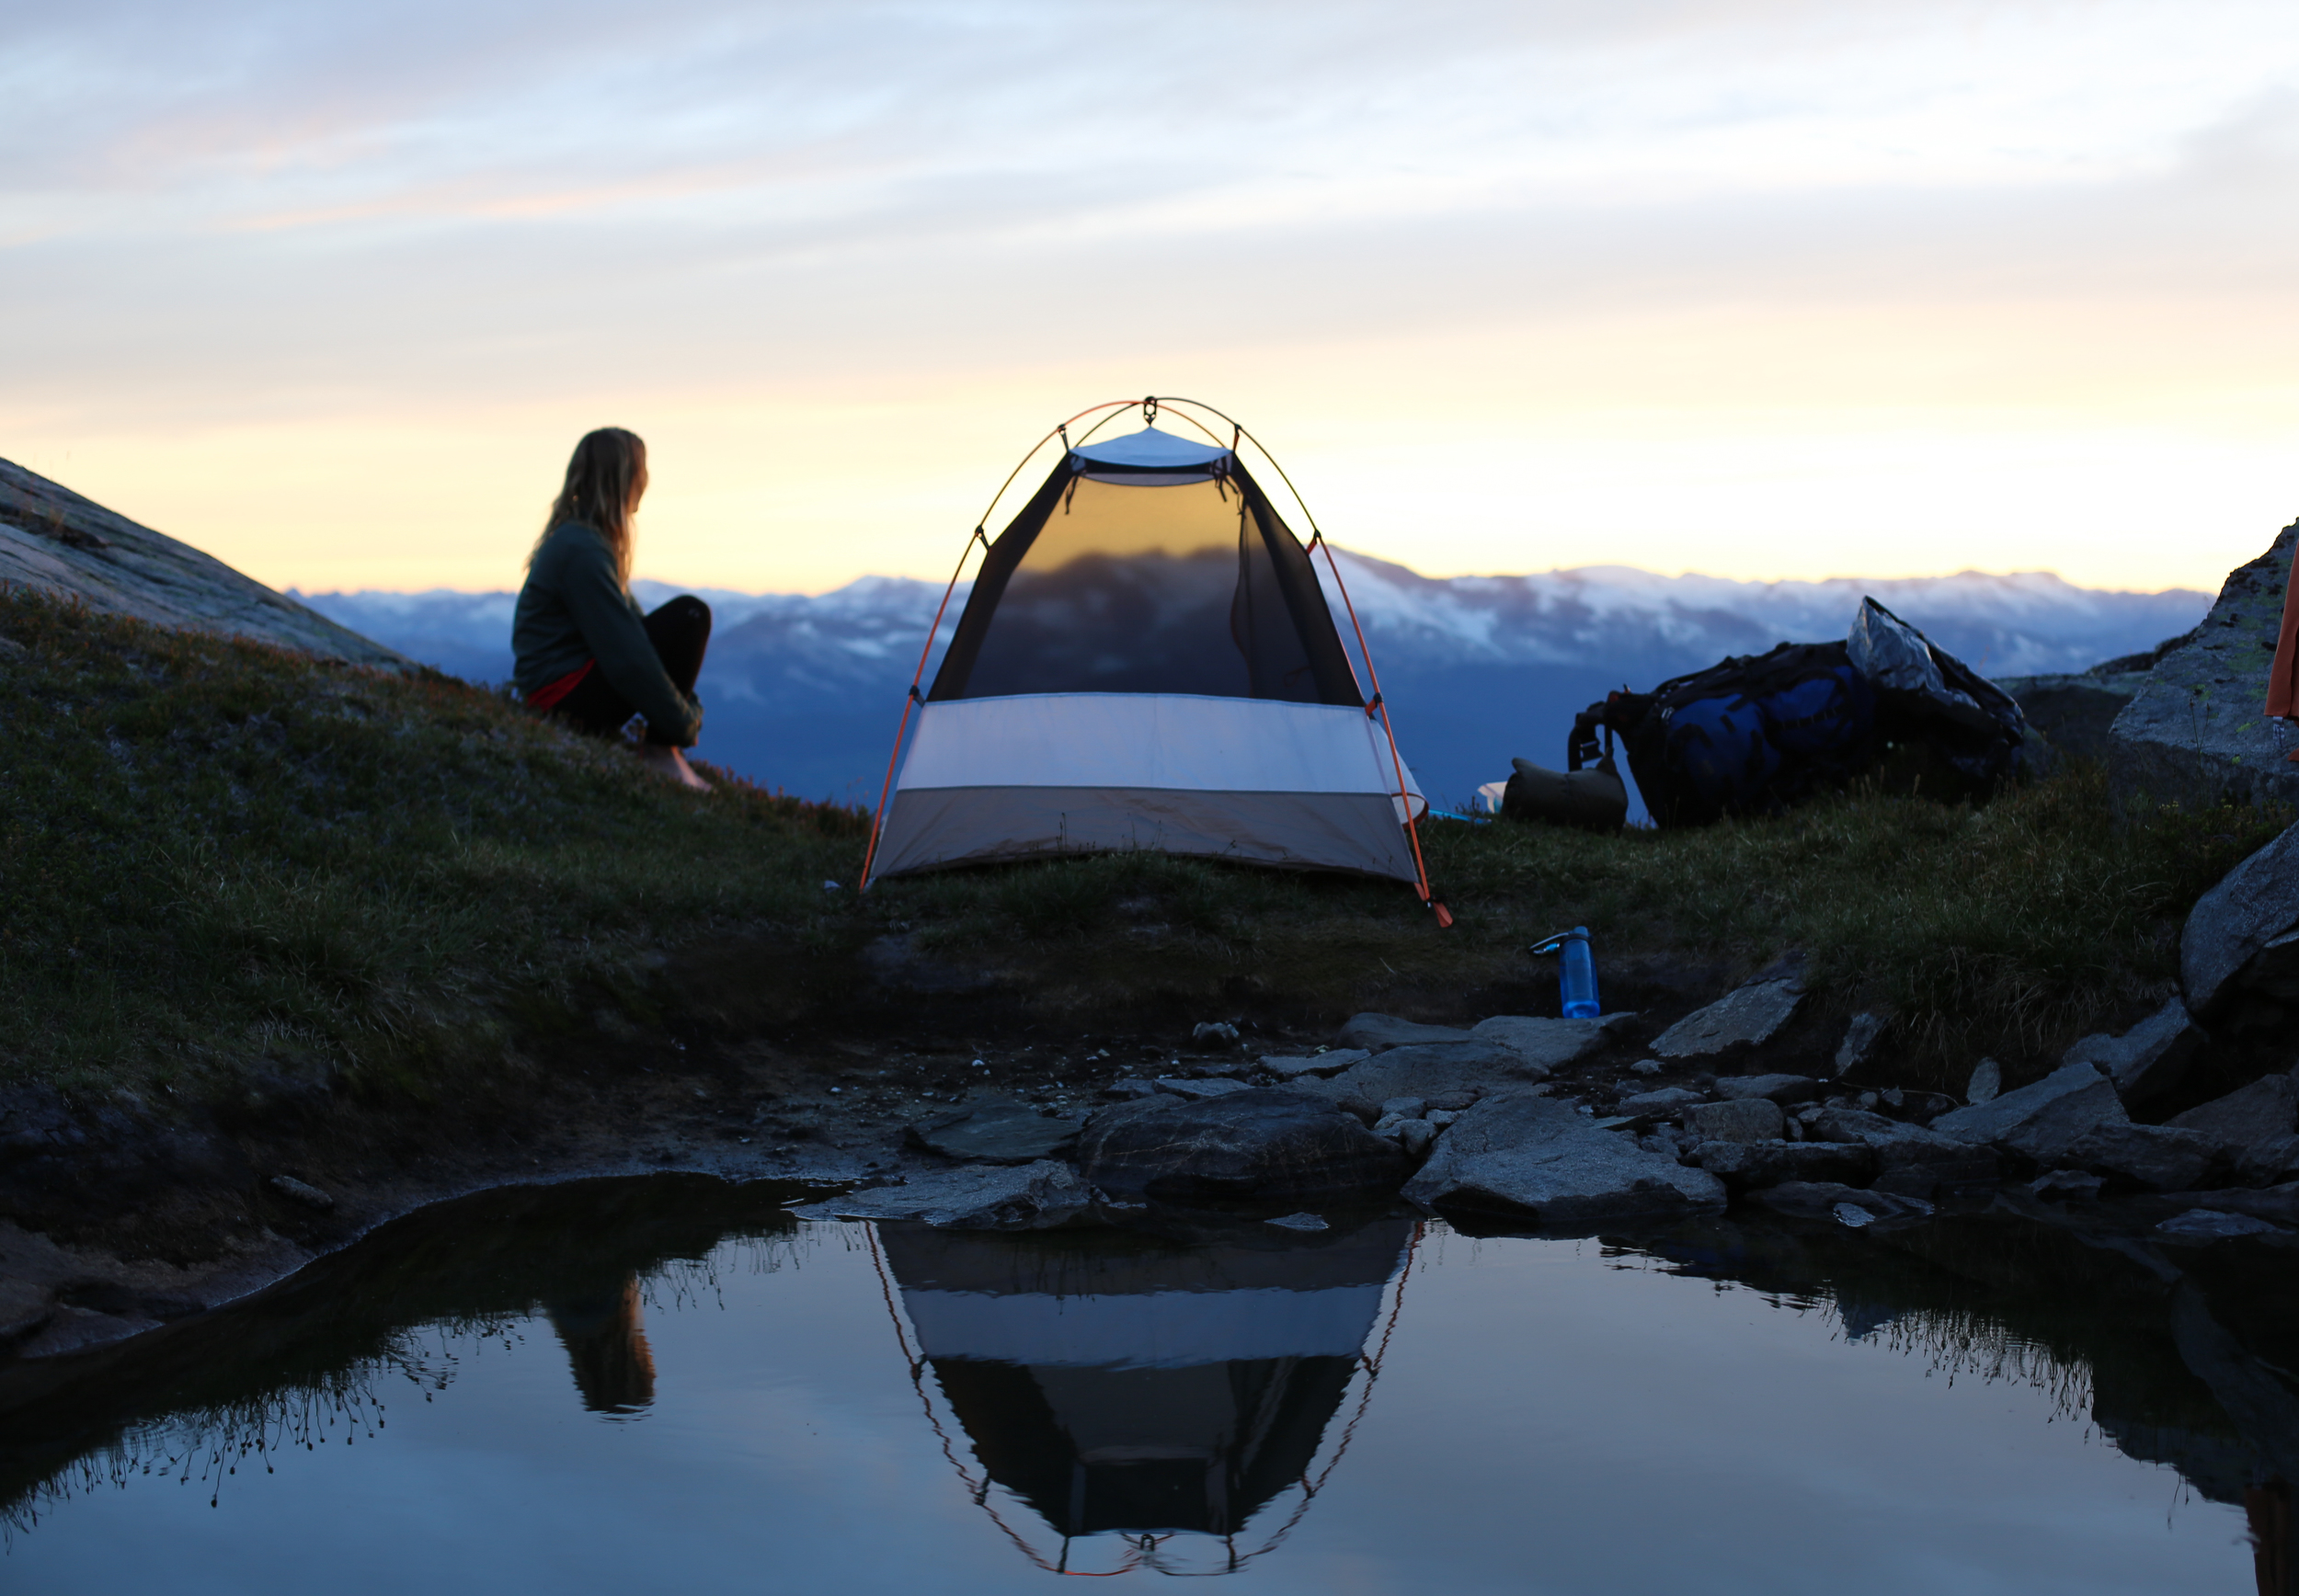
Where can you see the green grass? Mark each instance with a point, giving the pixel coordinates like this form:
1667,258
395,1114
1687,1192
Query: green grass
219,861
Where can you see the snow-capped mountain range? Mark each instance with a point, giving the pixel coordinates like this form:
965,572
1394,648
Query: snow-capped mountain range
803,692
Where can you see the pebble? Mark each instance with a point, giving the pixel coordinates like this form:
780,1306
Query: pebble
1646,1067
295,1191
1297,1222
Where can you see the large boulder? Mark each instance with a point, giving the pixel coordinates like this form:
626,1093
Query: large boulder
1263,1145
2147,1060
978,1197
2197,731
1530,1158
2243,935
1747,1017
1380,1033
2252,1127
2042,1119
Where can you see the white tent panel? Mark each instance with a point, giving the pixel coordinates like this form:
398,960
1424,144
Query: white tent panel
1157,1330
1259,780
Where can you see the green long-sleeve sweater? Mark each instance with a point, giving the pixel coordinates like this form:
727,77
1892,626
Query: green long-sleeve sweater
575,607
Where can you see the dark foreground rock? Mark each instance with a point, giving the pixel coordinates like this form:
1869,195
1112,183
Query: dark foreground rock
2242,937
1526,1157
2042,1119
2252,1127
995,1132
1262,1145
1468,1069
1751,1166
1380,1033
1910,1159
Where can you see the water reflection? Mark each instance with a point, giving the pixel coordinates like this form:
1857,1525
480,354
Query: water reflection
1145,1389
605,1336
1097,1402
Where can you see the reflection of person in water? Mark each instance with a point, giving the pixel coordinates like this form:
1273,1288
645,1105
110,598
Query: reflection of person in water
606,1343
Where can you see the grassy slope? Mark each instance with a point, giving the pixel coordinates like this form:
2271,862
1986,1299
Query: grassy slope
219,860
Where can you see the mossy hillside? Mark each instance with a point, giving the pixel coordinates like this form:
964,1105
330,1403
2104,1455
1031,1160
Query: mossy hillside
221,862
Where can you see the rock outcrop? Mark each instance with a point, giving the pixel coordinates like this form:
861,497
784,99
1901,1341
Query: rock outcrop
975,1197
2196,730
55,541
2242,937
1745,1017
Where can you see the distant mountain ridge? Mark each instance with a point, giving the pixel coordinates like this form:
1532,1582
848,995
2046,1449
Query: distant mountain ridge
803,691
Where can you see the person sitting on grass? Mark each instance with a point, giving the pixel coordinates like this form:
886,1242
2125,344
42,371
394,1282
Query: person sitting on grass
583,648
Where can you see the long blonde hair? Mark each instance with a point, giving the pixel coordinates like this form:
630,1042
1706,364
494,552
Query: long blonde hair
604,480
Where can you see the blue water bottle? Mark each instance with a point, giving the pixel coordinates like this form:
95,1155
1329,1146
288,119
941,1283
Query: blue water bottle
1576,971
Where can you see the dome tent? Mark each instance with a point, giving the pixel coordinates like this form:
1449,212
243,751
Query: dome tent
1147,660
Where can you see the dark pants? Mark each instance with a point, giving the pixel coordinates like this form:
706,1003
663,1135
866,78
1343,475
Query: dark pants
681,631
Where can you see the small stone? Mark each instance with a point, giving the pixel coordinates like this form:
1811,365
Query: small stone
1860,1039
2213,1225
1853,1214
1987,1084
1647,1067
1750,1119
1441,1118
1122,1091
1411,1108
1297,1222
295,1191
1416,1136
1214,1033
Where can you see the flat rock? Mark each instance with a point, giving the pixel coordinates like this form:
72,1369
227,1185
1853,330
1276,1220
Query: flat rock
1750,1166
1546,1044
996,1131
1666,1100
2041,1119
1748,1017
1778,1088
1526,1156
1747,1119
2196,730
2252,1125
2244,933
1380,1033
1261,1144
1429,1071
2148,1060
1290,1068
978,1197
2157,1158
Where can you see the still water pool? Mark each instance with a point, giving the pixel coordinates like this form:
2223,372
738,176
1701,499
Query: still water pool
672,1384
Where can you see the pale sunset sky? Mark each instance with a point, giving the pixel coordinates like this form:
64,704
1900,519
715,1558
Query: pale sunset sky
1758,288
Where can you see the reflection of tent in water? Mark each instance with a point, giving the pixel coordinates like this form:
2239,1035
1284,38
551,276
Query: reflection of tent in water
1149,1390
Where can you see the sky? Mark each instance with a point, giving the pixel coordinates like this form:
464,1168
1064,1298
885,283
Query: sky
1755,288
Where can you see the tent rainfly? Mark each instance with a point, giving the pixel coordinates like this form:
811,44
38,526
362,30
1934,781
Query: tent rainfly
1147,661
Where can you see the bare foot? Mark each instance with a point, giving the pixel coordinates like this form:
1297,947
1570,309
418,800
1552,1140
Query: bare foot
671,765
